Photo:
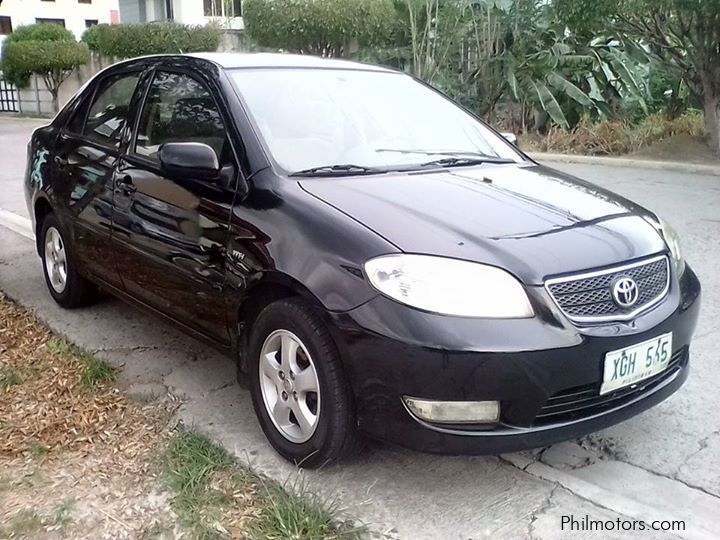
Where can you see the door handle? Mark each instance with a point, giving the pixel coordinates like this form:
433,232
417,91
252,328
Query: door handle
125,185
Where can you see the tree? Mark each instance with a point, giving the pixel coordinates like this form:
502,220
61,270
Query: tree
319,27
47,50
683,35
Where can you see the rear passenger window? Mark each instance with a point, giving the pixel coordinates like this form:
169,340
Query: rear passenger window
179,109
111,109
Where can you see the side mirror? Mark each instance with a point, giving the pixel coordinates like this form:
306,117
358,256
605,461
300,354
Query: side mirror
511,138
189,160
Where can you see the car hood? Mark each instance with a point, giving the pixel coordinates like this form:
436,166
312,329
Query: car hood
534,221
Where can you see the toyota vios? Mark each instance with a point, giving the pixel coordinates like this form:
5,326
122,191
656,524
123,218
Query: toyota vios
376,259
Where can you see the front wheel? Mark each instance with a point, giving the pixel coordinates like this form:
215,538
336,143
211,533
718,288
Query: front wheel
67,287
299,391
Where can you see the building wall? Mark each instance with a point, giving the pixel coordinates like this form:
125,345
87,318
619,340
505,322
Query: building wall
131,11
75,14
184,11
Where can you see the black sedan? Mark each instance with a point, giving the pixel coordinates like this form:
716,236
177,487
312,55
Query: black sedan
377,259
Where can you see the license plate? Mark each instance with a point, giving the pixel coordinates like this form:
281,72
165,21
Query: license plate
631,365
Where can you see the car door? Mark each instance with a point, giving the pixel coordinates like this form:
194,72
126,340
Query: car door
171,230
86,155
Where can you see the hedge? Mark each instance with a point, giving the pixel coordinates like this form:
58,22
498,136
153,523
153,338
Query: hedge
45,56
321,27
130,40
42,49
40,32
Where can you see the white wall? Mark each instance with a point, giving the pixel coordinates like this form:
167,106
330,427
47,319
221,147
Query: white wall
189,11
192,12
23,12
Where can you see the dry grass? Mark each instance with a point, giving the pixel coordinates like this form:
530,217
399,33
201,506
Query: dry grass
78,459
62,399
612,138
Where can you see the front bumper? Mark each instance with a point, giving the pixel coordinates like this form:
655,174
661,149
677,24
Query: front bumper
532,366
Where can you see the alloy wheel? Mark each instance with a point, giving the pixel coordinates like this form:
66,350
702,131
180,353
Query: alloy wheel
55,260
290,386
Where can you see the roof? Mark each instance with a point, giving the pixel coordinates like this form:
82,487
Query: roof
271,60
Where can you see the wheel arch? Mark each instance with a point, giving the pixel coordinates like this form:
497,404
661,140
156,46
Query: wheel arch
41,209
269,288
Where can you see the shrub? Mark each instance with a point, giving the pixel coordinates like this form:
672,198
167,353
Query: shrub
13,71
321,27
48,50
41,32
129,40
91,36
610,138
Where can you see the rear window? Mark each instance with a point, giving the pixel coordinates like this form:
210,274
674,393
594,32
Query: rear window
110,110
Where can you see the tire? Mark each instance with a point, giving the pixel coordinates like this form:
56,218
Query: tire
333,435
67,287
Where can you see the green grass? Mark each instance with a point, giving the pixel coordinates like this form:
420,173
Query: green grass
10,376
63,512
286,512
188,465
96,372
294,511
39,451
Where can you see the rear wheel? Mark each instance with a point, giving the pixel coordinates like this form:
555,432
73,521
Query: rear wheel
67,287
299,391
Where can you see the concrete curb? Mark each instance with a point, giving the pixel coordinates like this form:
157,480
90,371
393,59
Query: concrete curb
690,168
19,224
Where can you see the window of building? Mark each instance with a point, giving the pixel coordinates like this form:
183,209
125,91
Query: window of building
61,22
5,26
84,1
223,8
179,109
111,109
90,22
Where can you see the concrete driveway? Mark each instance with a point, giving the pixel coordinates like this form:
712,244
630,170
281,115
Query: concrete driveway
662,465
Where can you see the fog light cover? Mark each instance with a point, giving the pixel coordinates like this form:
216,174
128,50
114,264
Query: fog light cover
454,412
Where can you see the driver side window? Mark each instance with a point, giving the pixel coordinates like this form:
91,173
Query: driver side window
179,108
110,111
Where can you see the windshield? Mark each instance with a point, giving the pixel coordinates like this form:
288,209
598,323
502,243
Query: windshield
361,119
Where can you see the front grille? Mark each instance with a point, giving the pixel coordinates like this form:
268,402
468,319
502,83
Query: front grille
583,401
588,297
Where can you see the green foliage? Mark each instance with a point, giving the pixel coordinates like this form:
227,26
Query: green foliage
95,373
190,464
9,377
45,49
321,27
40,32
92,35
44,56
130,40
585,17
295,511
204,478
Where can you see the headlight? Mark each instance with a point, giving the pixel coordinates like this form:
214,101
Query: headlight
449,286
673,243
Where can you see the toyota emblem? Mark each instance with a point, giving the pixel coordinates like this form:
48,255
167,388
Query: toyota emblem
625,292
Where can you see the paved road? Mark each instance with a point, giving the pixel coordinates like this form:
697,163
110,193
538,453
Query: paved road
662,465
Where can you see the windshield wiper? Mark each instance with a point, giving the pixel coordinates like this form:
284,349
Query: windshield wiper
459,161
338,170
454,157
